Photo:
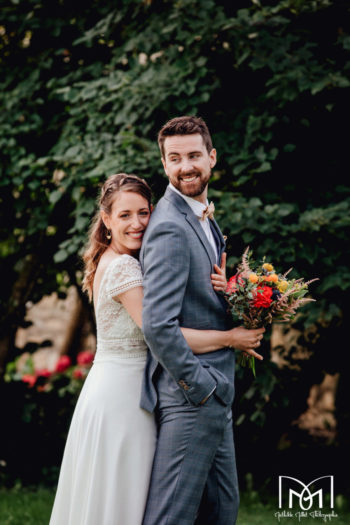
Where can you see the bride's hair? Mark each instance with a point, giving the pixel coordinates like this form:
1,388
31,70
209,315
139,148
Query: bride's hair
97,242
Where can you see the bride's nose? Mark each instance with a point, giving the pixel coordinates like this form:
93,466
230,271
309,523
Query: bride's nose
136,222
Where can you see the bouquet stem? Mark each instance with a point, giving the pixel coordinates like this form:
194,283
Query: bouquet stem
244,359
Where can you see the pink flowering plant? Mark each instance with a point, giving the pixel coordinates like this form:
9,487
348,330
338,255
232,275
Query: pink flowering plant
257,296
65,376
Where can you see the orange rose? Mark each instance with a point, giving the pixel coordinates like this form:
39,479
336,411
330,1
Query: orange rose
253,278
273,278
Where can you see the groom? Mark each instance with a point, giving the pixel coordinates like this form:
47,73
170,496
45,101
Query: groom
194,476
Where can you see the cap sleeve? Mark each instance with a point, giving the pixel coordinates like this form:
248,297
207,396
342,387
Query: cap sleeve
124,273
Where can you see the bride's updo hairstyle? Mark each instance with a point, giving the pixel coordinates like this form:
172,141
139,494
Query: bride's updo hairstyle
99,238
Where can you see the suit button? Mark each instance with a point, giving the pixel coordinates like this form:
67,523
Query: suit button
183,384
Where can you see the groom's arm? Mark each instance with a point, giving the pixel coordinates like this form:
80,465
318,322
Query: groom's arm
166,269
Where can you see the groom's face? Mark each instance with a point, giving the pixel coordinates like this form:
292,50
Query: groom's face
188,164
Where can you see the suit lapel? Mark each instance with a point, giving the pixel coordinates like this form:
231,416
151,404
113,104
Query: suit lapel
193,221
222,243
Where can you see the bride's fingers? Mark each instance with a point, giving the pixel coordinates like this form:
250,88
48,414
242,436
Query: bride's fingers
218,270
255,354
218,282
219,288
215,277
223,261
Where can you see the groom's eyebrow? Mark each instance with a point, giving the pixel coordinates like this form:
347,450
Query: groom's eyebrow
176,153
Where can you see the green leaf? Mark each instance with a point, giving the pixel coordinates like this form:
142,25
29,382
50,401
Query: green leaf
60,256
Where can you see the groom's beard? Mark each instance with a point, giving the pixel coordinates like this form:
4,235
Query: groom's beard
195,188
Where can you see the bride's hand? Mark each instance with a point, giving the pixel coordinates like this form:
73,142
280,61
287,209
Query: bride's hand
218,279
246,340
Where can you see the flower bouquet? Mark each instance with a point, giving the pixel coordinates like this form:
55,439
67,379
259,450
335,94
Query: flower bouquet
257,295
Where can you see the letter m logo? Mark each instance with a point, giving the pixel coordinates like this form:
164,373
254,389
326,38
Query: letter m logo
293,488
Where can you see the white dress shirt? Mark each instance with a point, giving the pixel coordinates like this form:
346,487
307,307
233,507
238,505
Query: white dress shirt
197,208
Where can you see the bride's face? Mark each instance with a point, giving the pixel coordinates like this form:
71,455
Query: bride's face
127,221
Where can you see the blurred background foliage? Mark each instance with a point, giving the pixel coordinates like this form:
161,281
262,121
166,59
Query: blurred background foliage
84,92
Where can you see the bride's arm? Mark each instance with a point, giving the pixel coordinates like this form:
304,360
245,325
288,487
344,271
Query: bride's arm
200,341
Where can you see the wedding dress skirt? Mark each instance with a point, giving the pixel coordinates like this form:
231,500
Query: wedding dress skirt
108,457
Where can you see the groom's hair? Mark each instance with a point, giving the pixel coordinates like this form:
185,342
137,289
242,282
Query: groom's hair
186,125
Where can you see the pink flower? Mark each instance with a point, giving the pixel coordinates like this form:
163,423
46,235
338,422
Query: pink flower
43,373
85,358
63,363
30,379
78,374
233,282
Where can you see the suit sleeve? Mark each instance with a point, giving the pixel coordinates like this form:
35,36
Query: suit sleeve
166,267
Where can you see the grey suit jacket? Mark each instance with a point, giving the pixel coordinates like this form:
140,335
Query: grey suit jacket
177,260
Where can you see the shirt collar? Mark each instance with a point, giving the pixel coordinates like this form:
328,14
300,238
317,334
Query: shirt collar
196,206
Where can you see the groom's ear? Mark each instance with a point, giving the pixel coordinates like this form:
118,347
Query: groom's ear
212,157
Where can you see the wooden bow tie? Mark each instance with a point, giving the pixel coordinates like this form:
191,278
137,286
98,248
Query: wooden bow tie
208,212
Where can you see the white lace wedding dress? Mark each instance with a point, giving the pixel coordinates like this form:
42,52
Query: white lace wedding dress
108,457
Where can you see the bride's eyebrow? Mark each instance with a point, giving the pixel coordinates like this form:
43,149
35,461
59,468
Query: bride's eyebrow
126,211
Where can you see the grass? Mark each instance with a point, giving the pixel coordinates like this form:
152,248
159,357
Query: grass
23,506
253,512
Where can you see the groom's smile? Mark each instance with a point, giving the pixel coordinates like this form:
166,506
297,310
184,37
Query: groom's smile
188,164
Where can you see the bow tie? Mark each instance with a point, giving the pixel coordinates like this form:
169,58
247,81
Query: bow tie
208,212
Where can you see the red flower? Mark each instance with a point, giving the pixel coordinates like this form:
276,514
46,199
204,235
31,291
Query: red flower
63,363
29,378
78,374
263,297
85,358
232,284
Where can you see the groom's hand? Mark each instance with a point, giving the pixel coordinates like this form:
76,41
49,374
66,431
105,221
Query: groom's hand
218,279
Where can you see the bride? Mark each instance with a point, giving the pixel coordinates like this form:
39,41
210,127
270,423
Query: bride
108,456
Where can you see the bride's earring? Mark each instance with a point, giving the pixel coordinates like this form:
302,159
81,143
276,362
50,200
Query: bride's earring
109,235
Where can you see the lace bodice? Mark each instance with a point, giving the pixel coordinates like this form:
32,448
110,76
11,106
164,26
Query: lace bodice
117,333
